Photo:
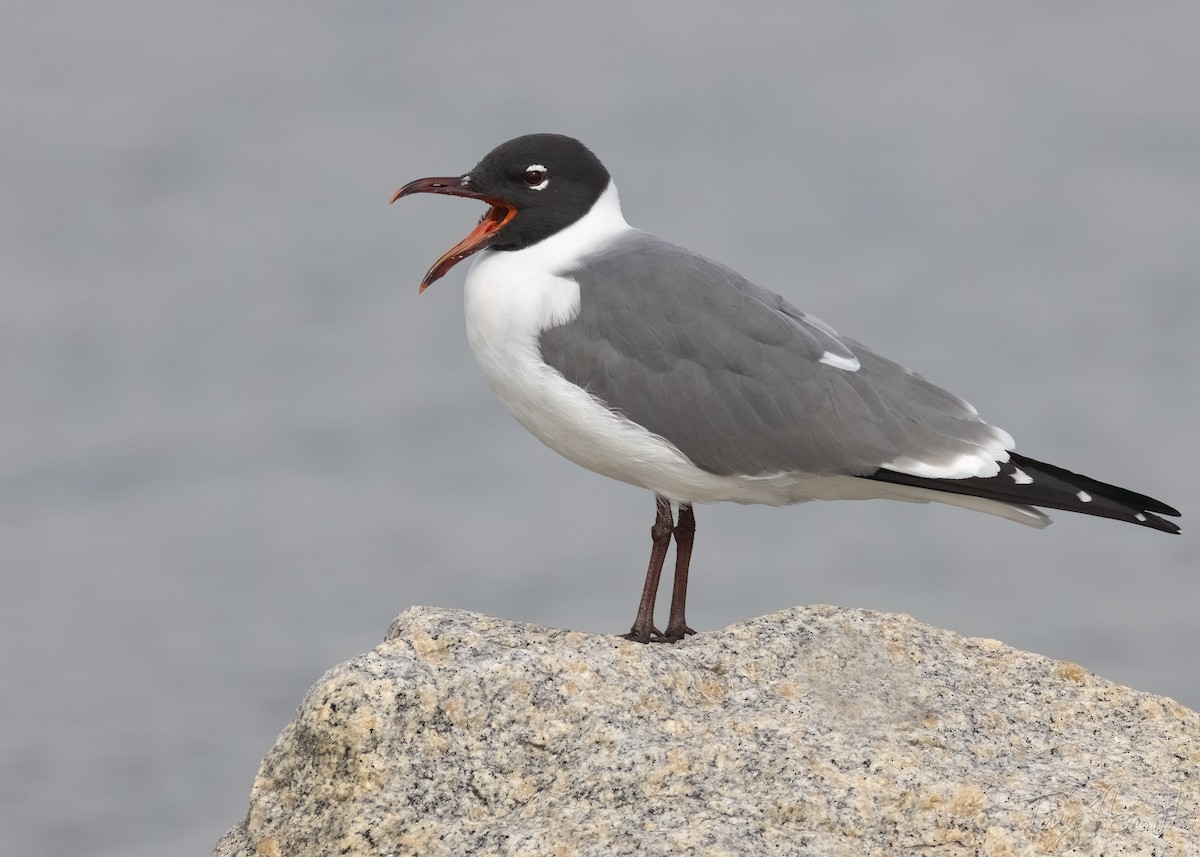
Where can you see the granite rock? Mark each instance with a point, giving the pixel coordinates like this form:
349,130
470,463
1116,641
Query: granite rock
815,730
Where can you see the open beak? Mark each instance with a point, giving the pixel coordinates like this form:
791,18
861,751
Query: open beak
494,219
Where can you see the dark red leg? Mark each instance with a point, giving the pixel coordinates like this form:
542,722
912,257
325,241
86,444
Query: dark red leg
660,534
685,531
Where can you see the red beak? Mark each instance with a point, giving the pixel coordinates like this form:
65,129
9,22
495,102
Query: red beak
494,218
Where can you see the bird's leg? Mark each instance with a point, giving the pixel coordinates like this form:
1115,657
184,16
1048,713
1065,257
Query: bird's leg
643,629
685,531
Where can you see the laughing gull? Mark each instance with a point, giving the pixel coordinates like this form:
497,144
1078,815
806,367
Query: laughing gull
653,365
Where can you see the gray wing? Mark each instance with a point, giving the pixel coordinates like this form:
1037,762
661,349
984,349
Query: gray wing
738,379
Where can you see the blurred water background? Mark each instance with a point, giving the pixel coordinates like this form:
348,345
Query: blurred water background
234,443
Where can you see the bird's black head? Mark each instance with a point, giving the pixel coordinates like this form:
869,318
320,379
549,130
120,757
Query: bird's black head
550,179
537,185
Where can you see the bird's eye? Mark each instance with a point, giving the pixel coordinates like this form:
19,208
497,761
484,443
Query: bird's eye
536,177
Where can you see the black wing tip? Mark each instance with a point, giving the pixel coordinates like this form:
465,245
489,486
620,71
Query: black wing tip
1028,482
1140,505
1151,520
1163,526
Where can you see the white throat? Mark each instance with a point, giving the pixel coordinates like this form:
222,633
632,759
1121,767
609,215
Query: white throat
513,295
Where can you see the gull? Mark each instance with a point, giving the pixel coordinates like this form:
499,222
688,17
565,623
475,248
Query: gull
649,363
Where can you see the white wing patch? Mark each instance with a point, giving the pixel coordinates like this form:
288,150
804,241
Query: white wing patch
982,461
837,361
1084,497
1021,477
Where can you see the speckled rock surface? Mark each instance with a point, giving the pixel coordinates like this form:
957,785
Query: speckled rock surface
815,731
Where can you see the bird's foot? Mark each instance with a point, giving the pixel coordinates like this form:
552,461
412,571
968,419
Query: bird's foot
653,635
644,635
675,633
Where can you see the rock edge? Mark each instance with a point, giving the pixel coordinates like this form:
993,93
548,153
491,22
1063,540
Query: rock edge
815,730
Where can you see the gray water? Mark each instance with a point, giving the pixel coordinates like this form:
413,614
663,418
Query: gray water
235,443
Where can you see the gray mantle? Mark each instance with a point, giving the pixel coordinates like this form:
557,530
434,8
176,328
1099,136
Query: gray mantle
815,730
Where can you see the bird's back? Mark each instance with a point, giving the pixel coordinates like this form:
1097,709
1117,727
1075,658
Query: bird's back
742,382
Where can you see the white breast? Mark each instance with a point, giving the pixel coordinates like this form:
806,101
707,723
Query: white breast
511,296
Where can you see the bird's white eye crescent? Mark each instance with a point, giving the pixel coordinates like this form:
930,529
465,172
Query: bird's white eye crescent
536,177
